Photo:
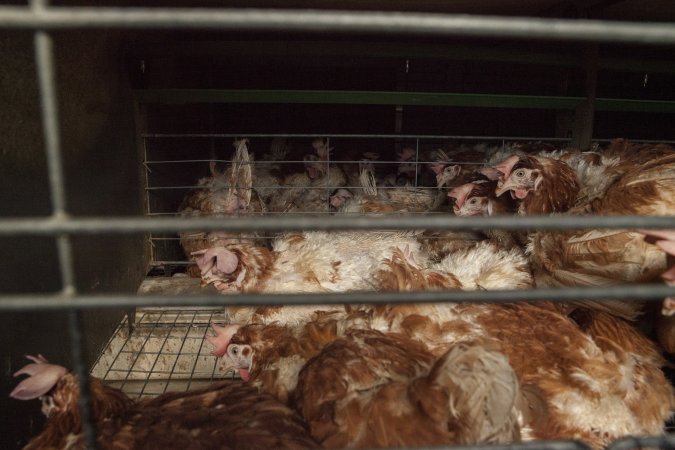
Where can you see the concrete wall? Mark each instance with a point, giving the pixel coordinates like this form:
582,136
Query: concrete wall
102,178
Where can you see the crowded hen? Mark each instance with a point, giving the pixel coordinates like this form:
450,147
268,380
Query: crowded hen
224,415
582,374
225,194
614,185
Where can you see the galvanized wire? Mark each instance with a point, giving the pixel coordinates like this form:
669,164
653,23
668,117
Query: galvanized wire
536,445
383,136
137,225
44,61
41,18
44,302
314,21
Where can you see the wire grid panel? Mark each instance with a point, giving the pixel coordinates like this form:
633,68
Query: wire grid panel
166,351
40,18
173,164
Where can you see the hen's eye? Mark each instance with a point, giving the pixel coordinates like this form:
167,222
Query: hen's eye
520,173
473,201
235,350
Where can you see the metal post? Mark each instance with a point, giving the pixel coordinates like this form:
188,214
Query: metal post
585,112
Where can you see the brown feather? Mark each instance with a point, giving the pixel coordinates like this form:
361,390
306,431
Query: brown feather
558,189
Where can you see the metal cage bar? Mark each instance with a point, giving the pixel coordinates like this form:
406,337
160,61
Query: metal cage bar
123,225
56,302
44,61
407,23
39,17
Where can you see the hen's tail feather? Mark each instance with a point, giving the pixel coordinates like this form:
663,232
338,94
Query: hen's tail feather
483,394
629,310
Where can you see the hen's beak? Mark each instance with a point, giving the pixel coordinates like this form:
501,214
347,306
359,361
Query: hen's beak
517,191
503,187
227,364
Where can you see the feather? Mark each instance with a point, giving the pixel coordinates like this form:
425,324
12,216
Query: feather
224,415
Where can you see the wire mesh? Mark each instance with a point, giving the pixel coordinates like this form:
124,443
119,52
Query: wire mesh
163,352
133,360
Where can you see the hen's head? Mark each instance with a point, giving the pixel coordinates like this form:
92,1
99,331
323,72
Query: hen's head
520,175
316,165
238,357
339,198
222,338
42,377
407,168
543,185
262,341
445,173
473,199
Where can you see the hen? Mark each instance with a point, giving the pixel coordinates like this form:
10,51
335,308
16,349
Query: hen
309,191
372,199
370,390
608,257
665,323
584,374
597,378
613,186
543,185
478,199
301,262
224,415
362,388
222,195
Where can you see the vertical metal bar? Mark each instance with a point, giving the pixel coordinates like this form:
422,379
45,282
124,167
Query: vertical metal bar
45,68
417,168
585,112
201,344
80,369
44,61
327,191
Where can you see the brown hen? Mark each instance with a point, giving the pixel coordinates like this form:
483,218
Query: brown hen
224,415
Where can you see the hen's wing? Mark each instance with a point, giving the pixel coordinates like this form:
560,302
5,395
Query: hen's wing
348,398
224,415
595,258
373,390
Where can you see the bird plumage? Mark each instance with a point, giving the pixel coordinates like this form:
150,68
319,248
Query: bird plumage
224,415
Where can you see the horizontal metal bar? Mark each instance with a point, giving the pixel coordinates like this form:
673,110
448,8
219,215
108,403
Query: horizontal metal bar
320,186
535,445
643,442
131,225
324,97
356,136
36,302
332,161
354,98
171,263
315,21
351,54
387,136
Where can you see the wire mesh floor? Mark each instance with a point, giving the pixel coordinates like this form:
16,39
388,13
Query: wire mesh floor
166,351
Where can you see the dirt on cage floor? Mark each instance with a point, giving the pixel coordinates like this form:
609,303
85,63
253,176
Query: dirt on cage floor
165,351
